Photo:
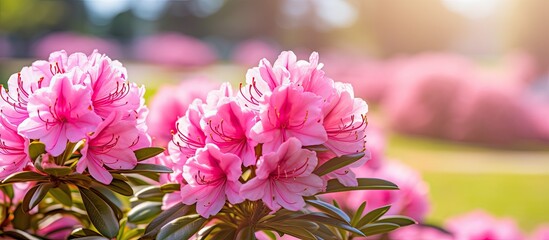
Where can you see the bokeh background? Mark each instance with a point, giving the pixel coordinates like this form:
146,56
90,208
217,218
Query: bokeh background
457,89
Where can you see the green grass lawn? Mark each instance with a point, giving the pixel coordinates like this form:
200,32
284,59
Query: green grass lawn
522,197
462,178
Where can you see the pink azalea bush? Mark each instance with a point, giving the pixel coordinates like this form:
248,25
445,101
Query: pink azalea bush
248,53
284,106
71,98
240,162
174,49
481,225
72,43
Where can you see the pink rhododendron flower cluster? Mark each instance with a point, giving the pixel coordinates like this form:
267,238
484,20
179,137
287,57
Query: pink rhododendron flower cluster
69,100
251,144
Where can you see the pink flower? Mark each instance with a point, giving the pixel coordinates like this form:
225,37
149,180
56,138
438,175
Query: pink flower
59,227
189,135
13,149
229,129
60,113
110,145
14,100
345,121
411,200
289,112
110,89
213,178
284,177
286,70
541,233
171,103
479,225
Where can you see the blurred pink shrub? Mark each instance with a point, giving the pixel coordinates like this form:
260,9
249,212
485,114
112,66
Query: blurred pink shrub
171,103
72,42
492,115
370,78
248,53
174,49
420,232
411,200
448,96
425,93
479,225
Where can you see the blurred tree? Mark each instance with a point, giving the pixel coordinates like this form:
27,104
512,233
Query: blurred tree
409,26
526,29
26,20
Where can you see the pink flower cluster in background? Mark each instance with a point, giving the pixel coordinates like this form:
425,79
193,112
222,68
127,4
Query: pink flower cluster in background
174,49
69,100
451,97
72,43
265,125
248,53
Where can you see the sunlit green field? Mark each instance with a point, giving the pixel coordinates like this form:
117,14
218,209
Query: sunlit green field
506,183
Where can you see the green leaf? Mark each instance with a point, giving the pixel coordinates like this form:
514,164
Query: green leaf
145,167
25,176
120,187
176,211
19,234
132,234
101,214
83,232
378,228
297,232
36,149
317,148
110,198
224,234
144,211
270,234
337,163
363,184
246,233
326,219
62,194
330,210
21,220
170,187
8,190
402,221
146,153
150,193
373,215
58,171
181,228
80,180
35,195
358,214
